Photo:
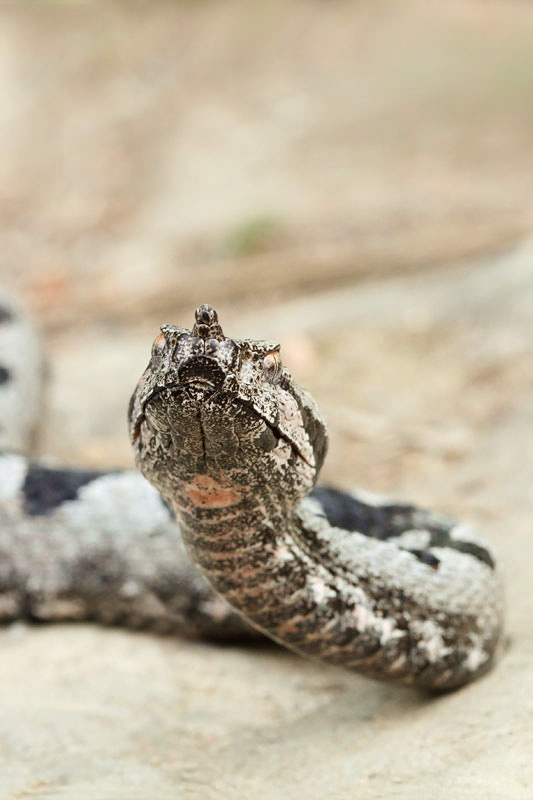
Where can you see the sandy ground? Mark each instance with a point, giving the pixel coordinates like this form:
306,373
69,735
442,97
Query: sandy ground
356,183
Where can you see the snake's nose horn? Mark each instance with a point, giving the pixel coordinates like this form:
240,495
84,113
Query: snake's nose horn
206,315
206,325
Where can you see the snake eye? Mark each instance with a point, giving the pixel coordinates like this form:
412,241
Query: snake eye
272,366
159,345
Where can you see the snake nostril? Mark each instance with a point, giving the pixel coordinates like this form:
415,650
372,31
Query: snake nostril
197,346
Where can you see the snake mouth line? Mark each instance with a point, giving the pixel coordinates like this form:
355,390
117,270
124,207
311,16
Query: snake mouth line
174,388
278,433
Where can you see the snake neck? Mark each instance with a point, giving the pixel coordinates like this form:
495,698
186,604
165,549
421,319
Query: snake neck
246,544
333,594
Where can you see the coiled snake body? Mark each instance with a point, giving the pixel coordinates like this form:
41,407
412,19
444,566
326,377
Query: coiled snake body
233,447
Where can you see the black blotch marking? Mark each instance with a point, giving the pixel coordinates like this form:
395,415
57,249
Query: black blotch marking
425,557
442,538
5,375
46,488
387,521
6,315
344,511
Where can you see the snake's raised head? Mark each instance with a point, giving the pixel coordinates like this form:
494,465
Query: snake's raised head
211,405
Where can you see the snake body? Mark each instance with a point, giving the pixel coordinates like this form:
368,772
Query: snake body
233,446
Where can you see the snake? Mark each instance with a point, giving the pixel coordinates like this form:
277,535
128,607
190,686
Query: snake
221,531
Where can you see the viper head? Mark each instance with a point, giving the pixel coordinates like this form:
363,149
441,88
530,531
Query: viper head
207,403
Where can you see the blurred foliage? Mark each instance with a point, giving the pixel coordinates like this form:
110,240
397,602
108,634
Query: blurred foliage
256,234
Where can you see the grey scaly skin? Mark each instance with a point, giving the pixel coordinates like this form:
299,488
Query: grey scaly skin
87,545
234,446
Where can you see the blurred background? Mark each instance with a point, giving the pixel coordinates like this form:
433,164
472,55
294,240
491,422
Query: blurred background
354,179
276,162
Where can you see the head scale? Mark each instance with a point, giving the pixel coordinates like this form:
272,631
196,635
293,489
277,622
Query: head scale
213,406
